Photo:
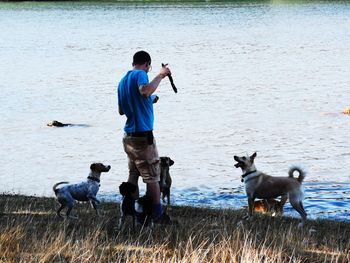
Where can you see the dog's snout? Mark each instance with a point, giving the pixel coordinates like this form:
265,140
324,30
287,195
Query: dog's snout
100,167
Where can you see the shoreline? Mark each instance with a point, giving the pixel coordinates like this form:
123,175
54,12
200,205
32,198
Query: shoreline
31,231
329,207
108,202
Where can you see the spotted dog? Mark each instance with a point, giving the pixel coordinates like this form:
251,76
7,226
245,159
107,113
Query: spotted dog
85,191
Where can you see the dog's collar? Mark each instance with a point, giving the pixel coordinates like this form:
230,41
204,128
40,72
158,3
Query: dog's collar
246,174
94,179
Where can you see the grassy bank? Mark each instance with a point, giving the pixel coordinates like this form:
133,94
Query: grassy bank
31,232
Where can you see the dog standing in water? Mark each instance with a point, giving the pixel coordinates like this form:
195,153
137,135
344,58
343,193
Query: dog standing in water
263,186
85,191
165,178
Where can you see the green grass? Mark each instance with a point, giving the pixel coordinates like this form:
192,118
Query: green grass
31,232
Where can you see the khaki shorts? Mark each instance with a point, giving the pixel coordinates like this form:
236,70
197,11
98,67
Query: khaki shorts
143,159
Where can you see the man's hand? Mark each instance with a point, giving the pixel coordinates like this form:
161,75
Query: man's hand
164,71
170,78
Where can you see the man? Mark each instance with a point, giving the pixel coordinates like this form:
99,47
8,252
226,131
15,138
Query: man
135,100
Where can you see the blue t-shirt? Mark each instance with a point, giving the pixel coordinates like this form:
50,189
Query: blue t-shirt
137,108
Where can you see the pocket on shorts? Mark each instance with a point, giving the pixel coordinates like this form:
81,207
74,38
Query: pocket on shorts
154,167
149,169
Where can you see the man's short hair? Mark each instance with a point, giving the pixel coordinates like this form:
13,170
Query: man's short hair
141,57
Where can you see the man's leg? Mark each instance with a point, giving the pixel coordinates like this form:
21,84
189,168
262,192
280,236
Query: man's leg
145,159
153,191
134,176
149,168
133,171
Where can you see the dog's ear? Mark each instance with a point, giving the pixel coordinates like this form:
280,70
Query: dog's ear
122,189
93,167
171,162
253,156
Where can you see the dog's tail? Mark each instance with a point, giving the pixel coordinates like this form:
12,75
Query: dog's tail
300,171
54,188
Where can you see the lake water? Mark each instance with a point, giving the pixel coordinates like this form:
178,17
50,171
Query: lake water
270,76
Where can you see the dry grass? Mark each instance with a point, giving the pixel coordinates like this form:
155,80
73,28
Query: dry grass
31,232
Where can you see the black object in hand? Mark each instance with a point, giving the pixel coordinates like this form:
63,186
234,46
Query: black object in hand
171,80
156,98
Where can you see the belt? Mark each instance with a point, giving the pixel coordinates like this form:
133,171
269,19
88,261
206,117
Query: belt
140,134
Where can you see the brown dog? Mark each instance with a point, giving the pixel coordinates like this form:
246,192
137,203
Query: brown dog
263,186
271,206
165,178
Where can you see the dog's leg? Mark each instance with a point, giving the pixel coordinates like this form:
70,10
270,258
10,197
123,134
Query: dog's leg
121,222
163,196
166,193
284,199
94,205
168,182
250,206
168,196
70,207
298,206
303,214
281,204
94,201
60,209
68,212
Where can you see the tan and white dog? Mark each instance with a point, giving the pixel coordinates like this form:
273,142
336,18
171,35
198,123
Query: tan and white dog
269,206
262,186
